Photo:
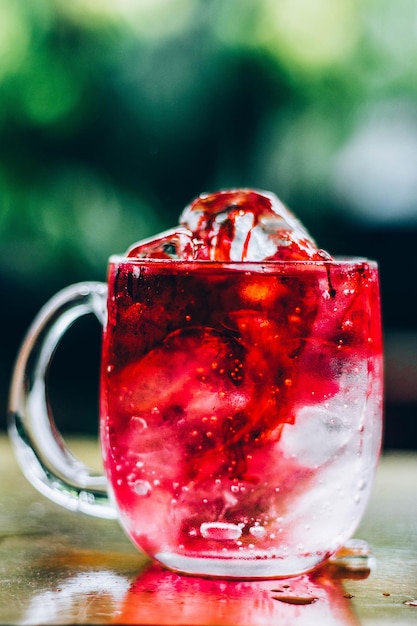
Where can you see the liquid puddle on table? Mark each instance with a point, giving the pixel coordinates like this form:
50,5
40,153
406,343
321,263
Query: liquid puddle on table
288,599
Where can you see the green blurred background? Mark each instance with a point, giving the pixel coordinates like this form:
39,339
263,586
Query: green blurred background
114,114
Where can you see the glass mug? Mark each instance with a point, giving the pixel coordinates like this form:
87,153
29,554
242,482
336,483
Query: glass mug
240,409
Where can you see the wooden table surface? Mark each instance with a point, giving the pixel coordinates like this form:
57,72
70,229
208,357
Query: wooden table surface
58,567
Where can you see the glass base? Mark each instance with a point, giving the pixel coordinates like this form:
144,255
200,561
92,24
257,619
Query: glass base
241,568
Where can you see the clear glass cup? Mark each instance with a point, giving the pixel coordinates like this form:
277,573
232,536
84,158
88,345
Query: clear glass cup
241,409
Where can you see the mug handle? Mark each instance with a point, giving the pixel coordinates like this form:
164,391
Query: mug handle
41,452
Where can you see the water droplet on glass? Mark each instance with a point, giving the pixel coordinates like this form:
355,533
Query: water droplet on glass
86,498
362,485
220,531
142,487
356,556
257,531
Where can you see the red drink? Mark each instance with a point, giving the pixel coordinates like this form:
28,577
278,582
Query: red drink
241,409
241,393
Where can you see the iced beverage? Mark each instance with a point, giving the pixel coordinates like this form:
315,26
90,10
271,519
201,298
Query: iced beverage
240,396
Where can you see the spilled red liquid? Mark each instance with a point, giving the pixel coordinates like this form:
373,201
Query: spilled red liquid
301,600
165,598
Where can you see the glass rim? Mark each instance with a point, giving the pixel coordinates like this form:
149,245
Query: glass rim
339,261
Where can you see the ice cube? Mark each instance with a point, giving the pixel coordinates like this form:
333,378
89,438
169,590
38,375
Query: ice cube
247,225
317,437
177,244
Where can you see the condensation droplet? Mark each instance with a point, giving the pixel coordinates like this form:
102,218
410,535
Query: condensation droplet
220,531
86,498
142,487
362,485
355,555
257,531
